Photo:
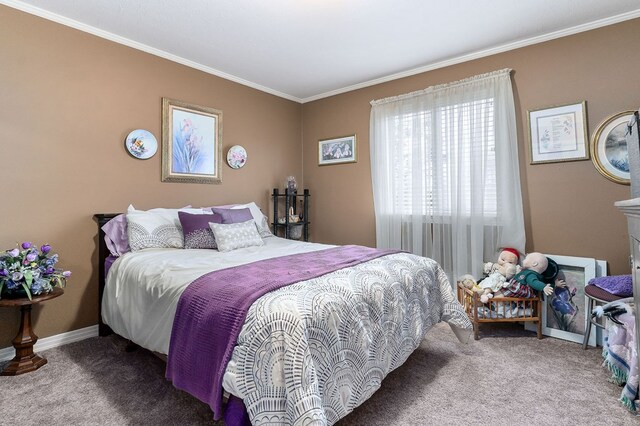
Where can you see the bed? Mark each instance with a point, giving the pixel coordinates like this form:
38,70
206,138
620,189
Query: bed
306,353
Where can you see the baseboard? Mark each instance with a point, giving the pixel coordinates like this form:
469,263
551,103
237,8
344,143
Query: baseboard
54,341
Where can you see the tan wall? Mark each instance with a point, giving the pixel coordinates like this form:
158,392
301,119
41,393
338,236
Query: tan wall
68,100
568,206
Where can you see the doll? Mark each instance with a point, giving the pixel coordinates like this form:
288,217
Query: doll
499,273
535,274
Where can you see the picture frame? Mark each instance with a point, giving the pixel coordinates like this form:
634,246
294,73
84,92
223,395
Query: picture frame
558,133
191,143
564,313
609,148
338,150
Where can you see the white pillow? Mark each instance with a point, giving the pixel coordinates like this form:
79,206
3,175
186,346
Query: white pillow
233,236
155,228
262,223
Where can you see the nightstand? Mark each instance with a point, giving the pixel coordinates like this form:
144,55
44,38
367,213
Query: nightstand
25,360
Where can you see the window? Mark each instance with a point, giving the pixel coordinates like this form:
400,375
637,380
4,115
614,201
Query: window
439,159
465,134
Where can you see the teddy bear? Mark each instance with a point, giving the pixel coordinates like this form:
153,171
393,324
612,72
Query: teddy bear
499,273
536,275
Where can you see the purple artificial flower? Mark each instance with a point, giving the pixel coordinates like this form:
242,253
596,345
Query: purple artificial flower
14,253
17,276
45,248
32,256
4,273
66,274
49,270
26,245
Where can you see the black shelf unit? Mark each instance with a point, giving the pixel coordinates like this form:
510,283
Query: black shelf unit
291,200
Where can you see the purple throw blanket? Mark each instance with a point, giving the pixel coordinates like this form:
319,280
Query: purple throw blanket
212,309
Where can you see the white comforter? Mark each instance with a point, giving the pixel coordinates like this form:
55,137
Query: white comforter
143,288
308,353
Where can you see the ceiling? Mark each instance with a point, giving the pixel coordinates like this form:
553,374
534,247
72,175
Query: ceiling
309,49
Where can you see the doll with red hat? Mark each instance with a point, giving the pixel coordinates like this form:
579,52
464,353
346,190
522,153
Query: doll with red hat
539,273
499,273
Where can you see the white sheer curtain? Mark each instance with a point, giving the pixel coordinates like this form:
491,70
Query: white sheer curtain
444,165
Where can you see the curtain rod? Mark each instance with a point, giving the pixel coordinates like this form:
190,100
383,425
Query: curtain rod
430,89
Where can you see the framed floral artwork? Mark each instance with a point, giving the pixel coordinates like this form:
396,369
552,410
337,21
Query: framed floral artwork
609,148
564,313
337,150
191,143
558,133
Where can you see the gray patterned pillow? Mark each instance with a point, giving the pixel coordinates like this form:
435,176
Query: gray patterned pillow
236,235
153,230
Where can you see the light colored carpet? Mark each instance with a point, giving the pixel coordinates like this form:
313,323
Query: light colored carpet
507,378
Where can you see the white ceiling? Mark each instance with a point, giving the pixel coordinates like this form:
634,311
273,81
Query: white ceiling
309,49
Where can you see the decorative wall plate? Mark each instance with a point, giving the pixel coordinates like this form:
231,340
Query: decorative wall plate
236,157
141,144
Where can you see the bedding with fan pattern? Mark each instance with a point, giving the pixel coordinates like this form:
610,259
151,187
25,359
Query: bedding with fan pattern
307,353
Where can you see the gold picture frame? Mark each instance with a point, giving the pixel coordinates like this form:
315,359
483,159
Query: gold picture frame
609,148
338,150
558,133
191,143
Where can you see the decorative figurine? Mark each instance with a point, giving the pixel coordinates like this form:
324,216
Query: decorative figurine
292,185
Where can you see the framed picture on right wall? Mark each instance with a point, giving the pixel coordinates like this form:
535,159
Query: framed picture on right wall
609,151
558,133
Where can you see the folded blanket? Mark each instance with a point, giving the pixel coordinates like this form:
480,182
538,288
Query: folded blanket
621,358
620,285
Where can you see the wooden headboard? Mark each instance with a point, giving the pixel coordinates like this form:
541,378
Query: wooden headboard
103,253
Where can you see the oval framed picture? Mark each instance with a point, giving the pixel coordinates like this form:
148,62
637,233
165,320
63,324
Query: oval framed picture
141,144
609,148
236,157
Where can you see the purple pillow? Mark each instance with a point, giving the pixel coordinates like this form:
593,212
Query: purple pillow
233,215
115,235
196,230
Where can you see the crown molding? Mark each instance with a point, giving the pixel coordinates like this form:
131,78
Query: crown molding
483,53
33,10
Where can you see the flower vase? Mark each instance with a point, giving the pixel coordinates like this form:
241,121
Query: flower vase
16,293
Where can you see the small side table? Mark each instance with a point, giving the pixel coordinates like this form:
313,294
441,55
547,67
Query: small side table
25,360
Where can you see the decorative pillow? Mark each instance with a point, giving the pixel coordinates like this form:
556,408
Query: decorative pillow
233,215
195,227
262,223
236,235
115,235
155,228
